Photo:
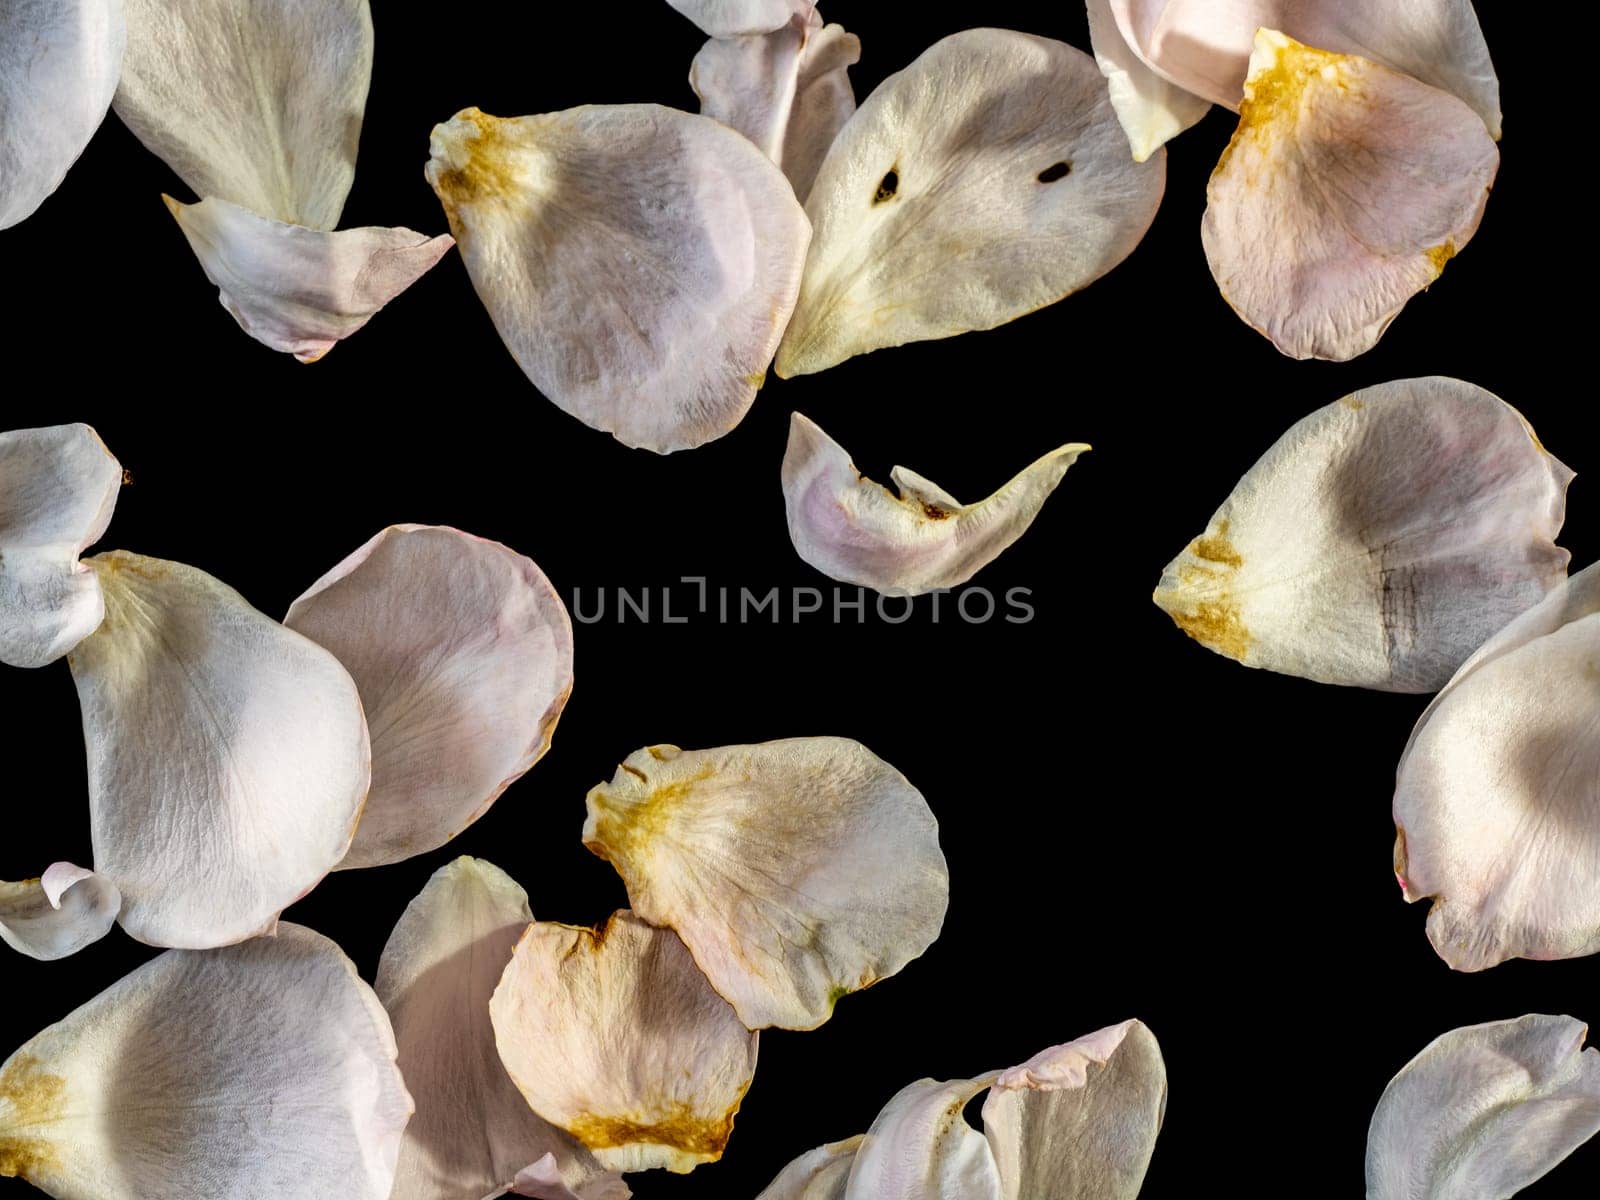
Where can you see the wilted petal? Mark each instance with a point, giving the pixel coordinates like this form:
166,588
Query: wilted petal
463,654
58,914
1379,541
1345,190
921,1148
1484,1111
227,755
262,1071
616,1037
739,18
59,61
1152,110
857,531
543,1180
987,179
58,486
819,1174
640,263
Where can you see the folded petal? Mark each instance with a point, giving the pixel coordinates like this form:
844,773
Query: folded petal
257,102
857,531
473,1134
543,1180
921,1148
228,755
462,652
639,263
1484,1111
1379,541
986,180
263,1071
1152,110
59,63
1345,190
59,914
819,1174
616,1037
58,486
740,18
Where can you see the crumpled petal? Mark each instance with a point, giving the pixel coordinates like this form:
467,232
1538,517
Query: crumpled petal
639,263
787,91
1345,190
1495,803
296,289
227,755
262,1071
59,63
740,18
462,652
616,1037
1484,1111
986,180
1151,109
1379,541
921,1148
857,531
796,871
58,486
473,1134
59,913
819,1174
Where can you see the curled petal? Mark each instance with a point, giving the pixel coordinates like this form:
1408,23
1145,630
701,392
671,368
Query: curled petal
616,1037
59,914
921,1148
462,652
1152,109
228,755
1379,541
986,180
265,1069
639,263
1484,1111
857,531
819,1174
740,18
58,486
1345,190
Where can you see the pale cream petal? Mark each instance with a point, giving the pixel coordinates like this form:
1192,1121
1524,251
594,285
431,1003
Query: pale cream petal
1345,190
857,531
921,1148
819,1174
58,486
261,1071
739,18
462,652
228,755
1152,110
58,914
543,1181
986,180
1379,541
1484,1111
616,1037
639,263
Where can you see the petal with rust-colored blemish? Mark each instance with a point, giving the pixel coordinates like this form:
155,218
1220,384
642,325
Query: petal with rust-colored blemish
615,1036
228,755
740,18
857,531
58,486
1152,109
820,1174
1346,189
59,913
921,1148
462,652
986,180
1484,1111
261,1071
1379,541
640,263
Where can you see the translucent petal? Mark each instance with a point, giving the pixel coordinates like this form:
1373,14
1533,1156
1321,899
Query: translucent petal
1152,110
58,914
819,1174
921,1148
739,18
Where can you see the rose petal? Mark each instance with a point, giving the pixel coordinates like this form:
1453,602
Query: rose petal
921,1148
639,263
1345,190
543,1181
1484,1111
59,914
740,18
986,180
616,1037
857,531
819,1174
1151,109
58,486
1379,541
228,755
462,652
263,1070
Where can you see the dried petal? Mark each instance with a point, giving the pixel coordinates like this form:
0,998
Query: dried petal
227,755
1379,541
819,1174
1152,110
616,1037
740,18
639,263
921,1148
1484,1111
857,531
462,652
58,914
986,180
1345,190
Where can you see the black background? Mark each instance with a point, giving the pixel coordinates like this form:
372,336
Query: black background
1135,826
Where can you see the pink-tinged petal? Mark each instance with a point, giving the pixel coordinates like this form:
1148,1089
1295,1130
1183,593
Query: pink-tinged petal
1152,109
543,1180
740,18
921,1148
820,1174
58,914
